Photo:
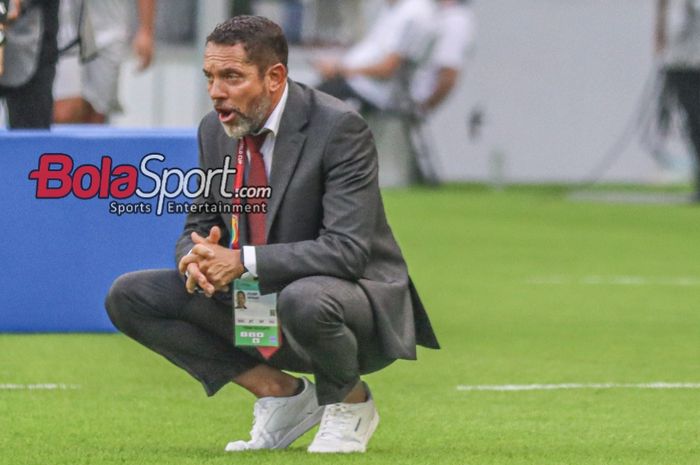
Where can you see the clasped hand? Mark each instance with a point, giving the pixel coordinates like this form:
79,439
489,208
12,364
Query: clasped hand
209,265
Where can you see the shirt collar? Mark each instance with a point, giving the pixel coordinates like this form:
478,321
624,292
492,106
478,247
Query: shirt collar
273,121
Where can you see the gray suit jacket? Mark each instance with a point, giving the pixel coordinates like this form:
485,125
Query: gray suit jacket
325,216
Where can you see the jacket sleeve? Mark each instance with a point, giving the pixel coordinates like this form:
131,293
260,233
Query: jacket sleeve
199,222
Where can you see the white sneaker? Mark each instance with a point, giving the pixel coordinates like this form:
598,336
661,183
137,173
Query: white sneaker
278,421
346,427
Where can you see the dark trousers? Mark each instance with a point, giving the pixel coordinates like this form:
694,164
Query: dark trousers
31,106
685,84
327,325
339,88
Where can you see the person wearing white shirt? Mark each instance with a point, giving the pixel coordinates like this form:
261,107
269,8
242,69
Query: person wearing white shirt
367,76
455,37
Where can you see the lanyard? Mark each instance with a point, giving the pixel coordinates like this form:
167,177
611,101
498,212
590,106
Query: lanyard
238,183
2,48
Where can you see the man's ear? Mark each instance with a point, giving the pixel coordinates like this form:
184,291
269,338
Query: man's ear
277,76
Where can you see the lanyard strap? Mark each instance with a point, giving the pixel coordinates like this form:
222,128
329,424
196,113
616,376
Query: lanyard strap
238,183
2,48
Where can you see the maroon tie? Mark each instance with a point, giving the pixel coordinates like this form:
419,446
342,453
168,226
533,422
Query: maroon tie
257,177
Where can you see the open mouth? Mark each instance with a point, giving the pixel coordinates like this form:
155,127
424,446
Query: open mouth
226,115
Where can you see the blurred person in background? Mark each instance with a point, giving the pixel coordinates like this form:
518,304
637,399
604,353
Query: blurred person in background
30,55
455,37
680,57
369,76
88,92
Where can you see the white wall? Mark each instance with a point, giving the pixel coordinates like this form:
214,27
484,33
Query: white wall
558,80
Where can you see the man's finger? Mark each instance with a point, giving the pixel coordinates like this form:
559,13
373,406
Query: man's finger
206,286
197,239
196,278
214,235
192,277
191,284
186,260
223,287
202,251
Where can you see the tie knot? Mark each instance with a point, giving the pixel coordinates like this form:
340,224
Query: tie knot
255,141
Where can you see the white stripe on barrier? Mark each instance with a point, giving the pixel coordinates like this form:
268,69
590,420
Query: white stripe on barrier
551,387
44,387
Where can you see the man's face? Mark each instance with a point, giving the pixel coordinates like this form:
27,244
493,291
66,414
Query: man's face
241,96
240,300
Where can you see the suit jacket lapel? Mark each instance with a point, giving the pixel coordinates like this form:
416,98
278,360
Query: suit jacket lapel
288,145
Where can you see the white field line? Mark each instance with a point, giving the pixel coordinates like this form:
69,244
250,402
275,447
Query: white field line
553,387
38,387
593,280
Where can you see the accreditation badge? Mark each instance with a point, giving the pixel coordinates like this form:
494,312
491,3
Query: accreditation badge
254,315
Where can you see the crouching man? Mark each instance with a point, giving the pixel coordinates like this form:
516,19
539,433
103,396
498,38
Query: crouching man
326,288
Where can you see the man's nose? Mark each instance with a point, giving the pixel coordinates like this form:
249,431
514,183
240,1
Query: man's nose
216,90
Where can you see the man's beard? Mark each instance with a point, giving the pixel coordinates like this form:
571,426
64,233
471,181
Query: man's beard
248,124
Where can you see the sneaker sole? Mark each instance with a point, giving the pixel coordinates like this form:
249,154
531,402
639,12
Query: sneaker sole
293,434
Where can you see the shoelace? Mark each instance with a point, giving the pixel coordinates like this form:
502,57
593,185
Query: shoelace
336,420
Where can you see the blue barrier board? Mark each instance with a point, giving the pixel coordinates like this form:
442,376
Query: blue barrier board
60,255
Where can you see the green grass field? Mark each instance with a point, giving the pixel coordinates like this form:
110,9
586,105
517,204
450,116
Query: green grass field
523,286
